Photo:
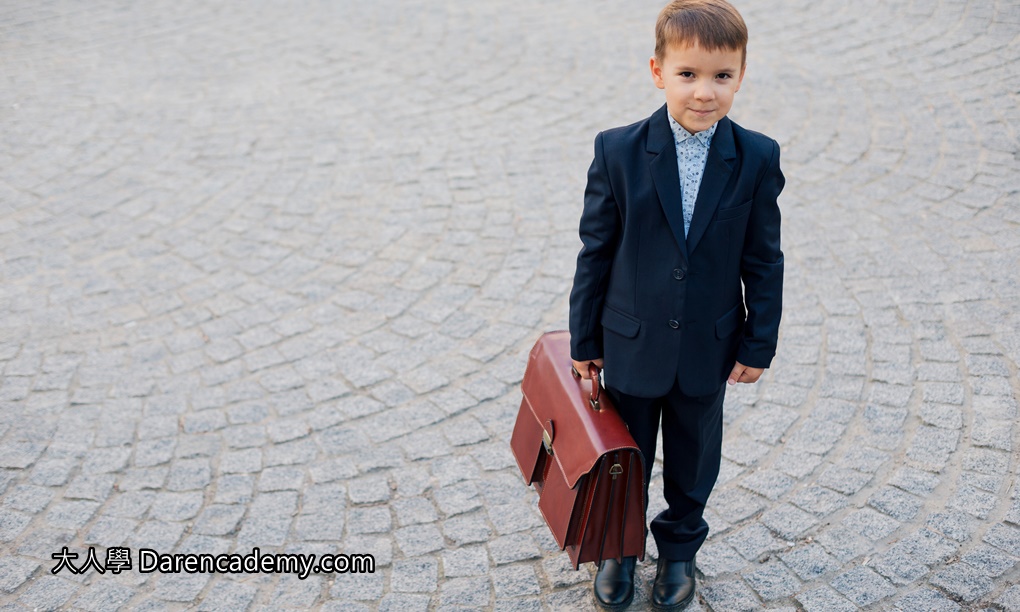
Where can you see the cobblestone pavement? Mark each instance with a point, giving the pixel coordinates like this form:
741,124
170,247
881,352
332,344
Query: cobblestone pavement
270,272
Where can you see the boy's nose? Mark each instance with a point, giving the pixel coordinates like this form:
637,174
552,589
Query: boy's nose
704,92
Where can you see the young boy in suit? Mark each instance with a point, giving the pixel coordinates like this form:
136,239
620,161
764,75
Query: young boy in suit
679,282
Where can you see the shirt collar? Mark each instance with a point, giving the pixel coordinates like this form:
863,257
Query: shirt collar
680,134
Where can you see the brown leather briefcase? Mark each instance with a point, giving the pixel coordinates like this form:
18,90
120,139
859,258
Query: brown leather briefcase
572,445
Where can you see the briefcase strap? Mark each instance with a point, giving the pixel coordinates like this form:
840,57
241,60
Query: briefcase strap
596,388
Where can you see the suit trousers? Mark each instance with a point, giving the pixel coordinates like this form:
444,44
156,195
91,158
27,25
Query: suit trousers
691,451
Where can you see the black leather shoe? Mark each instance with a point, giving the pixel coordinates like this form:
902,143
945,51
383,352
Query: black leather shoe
674,585
614,583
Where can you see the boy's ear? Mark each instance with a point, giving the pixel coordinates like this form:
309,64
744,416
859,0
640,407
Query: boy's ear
740,79
656,69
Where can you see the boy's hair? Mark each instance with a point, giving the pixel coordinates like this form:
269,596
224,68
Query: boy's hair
711,24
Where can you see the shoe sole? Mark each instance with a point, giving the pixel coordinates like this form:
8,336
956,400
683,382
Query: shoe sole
677,606
615,607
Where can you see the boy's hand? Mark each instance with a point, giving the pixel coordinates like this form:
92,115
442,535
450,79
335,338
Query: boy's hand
582,367
744,374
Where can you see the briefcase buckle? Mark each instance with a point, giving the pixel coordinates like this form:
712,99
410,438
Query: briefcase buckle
547,442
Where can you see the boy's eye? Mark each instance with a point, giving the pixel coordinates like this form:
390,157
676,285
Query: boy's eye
723,75
687,74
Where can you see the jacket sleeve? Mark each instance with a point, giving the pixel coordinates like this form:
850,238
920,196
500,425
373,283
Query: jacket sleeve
599,231
761,269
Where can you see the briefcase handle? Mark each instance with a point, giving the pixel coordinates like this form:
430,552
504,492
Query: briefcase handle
596,388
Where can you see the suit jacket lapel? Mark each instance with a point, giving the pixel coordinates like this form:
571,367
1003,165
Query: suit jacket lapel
665,174
718,168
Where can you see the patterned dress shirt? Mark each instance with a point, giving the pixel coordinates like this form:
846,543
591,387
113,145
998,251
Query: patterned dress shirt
691,156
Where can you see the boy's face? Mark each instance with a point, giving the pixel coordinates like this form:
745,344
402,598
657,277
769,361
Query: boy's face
699,84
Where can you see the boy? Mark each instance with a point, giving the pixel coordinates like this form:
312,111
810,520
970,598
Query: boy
679,212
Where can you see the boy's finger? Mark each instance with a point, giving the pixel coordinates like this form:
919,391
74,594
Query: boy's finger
735,374
581,367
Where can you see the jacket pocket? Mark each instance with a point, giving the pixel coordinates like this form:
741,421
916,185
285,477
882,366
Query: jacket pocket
729,322
623,324
734,212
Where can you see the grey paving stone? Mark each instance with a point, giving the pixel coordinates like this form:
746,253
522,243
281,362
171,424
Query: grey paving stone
368,490
787,521
744,451
962,581
425,445
47,593
414,510
466,561
171,506
843,480
15,571
404,602
810,561
824,599
768,483
769,424
898,504
12,524
973,501
716,558
417,575
358,587
864,459
381,548
1010,598
467,529
291,591
103,595
843,543
458,498
862,586
819,500
451,470
943,416
925,546
498,488
219,519
881,419
515,581
926,599
179,587
932,446
989,560
189,475
735,505
228,595
1005,537
68,515
729,595
753,541
419,539
898,566
797,464
466,593
872,525
560,572
369,520
511,518
772,581
914,481
53,472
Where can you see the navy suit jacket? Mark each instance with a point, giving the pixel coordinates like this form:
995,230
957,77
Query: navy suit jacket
658,307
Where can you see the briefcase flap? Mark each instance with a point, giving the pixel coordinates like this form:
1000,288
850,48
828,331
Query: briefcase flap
559,402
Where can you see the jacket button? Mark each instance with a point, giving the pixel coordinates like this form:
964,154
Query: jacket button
678,274
674,324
